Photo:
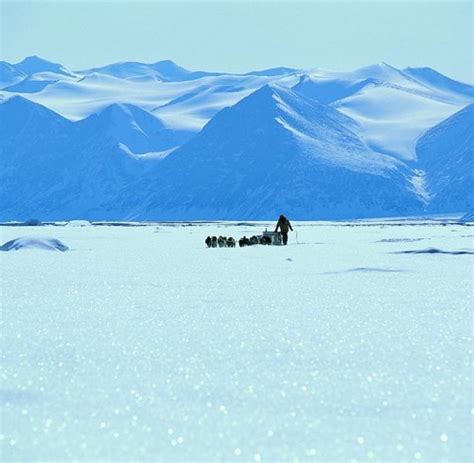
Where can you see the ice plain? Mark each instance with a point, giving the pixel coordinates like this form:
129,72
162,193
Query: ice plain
139,343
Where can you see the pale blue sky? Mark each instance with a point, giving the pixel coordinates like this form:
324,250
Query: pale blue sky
239,36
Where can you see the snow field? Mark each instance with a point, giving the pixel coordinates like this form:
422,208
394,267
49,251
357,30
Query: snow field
140,343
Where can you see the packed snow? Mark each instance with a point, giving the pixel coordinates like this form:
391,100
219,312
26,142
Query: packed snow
142,344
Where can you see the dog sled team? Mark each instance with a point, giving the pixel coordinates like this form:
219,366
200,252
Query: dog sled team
278,237
224,242
221,242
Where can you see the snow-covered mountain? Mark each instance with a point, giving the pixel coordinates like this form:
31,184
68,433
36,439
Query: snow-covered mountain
32,75
278,151
136,131
165,71
157,140
34,65
446,153
51,167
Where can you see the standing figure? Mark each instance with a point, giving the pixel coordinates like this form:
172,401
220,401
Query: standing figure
284,225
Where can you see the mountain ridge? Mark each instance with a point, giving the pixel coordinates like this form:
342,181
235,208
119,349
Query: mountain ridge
311,143
229,174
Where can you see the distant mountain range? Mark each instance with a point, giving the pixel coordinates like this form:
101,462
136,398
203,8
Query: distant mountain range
159,142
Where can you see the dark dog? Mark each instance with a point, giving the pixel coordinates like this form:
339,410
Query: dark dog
244,242
253,240
266,240
221,242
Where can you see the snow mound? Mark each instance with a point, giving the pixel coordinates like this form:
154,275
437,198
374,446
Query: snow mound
46,244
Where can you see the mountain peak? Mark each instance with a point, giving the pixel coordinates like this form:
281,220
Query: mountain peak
34,59
37,62
380,70
166,62
33,64
18,103
116,108
169,70
32,121
280,96
19,107
128,126
125,111
262,100
14,100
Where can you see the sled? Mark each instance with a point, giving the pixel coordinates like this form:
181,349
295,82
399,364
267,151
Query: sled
276,238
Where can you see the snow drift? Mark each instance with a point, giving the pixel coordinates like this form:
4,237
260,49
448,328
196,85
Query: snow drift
45,244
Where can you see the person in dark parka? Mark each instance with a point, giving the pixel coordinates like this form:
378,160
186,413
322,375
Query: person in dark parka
284,225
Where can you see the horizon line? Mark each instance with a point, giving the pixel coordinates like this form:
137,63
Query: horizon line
307,70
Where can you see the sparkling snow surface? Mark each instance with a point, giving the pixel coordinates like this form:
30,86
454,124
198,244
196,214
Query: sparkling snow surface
140,343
